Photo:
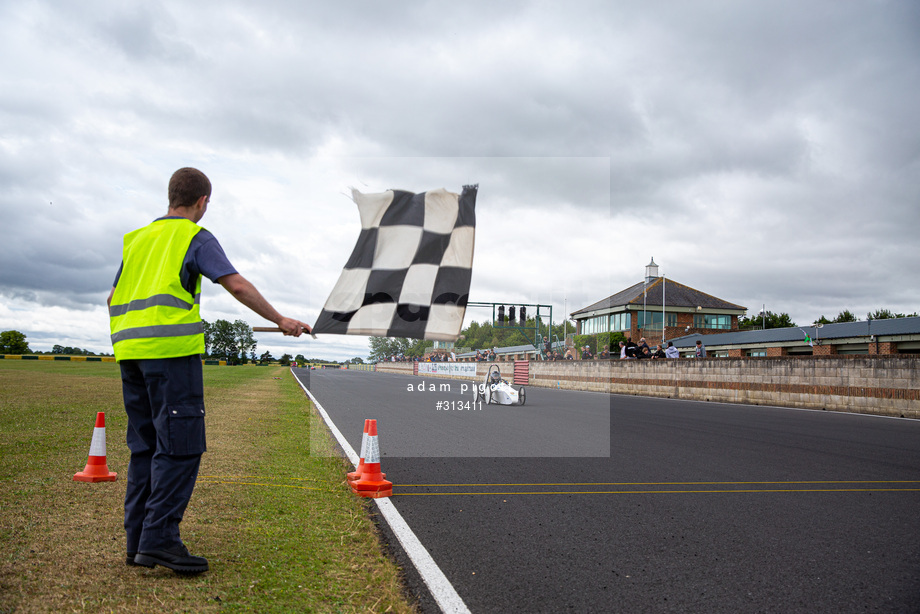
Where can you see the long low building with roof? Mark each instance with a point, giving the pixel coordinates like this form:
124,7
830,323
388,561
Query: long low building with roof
890,336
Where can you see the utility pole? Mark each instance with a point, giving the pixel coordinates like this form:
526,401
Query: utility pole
664,319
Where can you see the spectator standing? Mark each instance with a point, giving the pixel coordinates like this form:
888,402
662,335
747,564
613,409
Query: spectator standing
672,351
632,350
700,349
586,353
643,348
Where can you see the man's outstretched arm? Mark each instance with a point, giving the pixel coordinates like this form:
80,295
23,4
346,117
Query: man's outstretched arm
246,293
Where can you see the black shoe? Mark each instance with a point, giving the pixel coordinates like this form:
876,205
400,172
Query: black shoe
176,558
129,560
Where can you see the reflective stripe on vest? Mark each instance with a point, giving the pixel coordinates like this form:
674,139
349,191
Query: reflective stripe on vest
166,330
152,315
162,300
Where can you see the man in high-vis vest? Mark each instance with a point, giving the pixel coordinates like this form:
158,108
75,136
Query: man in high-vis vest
158,338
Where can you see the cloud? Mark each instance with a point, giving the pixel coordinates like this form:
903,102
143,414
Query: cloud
764,152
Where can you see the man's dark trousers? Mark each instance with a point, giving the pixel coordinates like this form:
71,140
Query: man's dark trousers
164,400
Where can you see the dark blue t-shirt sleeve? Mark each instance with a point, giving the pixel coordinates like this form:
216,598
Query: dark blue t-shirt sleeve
205,257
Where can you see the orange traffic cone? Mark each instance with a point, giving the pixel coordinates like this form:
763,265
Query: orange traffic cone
97,469
371,483
356,474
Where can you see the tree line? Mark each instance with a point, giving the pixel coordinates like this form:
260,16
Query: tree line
14,342
233,342
228,341
223,340
476,336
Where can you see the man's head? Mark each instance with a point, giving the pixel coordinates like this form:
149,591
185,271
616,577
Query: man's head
187,186
698,342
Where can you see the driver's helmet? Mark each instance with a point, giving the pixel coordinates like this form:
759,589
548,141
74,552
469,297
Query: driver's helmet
495,376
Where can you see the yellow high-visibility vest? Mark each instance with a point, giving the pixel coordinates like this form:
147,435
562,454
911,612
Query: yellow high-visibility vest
152,315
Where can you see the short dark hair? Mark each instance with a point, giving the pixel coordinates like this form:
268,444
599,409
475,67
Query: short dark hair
186,186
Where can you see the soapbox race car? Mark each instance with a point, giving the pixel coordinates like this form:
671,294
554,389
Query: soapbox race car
497,390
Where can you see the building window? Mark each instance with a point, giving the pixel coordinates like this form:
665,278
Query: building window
590,326
712,321
756,352
652,319
620,321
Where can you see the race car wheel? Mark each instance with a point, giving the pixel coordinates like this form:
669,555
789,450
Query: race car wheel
522,396
487,395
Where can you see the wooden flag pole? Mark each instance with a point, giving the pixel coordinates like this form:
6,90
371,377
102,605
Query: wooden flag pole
271,329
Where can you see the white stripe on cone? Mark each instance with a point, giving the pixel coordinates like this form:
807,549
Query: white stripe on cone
373,450
364,444
97,445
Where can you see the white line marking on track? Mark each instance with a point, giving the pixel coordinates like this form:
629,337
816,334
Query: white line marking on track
441,589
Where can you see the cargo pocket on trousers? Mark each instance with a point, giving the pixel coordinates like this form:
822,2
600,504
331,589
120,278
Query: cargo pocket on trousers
186,429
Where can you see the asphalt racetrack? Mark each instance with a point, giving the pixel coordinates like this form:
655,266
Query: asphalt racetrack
677,506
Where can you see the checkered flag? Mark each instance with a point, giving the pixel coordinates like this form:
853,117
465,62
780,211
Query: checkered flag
409,274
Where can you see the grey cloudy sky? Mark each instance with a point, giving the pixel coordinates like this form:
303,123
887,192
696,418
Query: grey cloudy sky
763,152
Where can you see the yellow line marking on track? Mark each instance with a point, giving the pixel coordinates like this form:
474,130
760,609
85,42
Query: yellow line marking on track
668,483
234,480
650,492
663,491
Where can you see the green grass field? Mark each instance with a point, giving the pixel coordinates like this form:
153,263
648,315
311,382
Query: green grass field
271,512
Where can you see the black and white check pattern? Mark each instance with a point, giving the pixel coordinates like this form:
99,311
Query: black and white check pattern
409,274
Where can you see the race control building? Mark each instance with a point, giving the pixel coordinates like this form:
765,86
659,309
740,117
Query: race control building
659,308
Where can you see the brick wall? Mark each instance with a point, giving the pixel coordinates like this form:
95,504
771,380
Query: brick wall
883,348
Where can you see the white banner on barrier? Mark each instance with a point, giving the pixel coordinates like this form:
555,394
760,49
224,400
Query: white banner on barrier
463,369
